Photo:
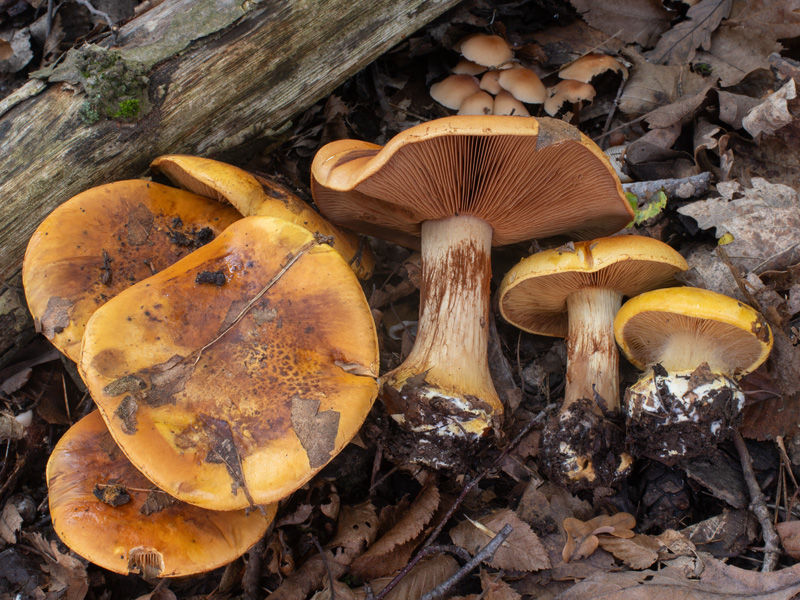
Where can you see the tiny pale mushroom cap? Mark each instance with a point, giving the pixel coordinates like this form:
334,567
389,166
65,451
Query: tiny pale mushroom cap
104,240
523,84
699,325
237,391
589,66
479,103
533,294
568,90
152,533
467,67
506,104
453,90
489,82
252,195
486,50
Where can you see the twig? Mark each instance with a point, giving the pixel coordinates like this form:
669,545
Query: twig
486,554
252,571
759,507
327,566
614,107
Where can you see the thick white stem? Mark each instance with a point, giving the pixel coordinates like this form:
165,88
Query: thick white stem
592,356
448,366
685,350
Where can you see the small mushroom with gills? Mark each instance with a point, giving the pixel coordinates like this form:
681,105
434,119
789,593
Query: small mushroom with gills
232,377
575,292
109,513
457,186
487,50
693,345
572,91
589,66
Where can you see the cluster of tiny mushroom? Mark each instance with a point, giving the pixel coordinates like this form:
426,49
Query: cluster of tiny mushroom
229,372
505,86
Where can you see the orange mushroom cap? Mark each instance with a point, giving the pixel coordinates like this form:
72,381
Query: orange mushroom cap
104,240
137,527
252,195
232,377
523,84
486,50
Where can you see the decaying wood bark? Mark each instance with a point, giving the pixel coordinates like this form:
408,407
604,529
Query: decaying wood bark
219,74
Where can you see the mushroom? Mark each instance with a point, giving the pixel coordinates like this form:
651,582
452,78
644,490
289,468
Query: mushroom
453,90
569,90
693,345
523,84
506,104
589,66
104,240
230,378
257,196
479,103
487,50
109,513
574,292
463,184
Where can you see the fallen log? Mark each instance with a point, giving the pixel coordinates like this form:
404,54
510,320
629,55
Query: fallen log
191,76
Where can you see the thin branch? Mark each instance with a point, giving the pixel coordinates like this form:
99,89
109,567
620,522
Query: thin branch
759,507
486,554
322,554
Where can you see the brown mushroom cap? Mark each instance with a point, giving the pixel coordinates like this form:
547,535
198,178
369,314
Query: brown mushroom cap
236,391
489,82
151,532
252,195
506,104
453,90
589,66
680,328
523,84
467,67
479,103
568,90
102,241
528,178
533,294
486,50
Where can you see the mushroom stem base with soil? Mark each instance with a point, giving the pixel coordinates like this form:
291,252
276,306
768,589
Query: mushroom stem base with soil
580,447
677,415
443,392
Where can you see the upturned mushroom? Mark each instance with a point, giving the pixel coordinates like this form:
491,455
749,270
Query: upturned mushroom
575,292
104,240
458,186
256,196
694,345
230,378
109,513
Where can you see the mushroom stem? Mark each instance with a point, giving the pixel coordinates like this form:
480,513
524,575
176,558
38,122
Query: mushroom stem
592,356
684,350
444,386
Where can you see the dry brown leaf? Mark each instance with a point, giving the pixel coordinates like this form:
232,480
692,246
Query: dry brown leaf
651,86
678,45
764,220
394,548
582,537
521,551
633,22
426,575
789,531
734,107
736,51
706,579
68,577
10,523
772,114
494,588
676,543
727,534
781,19
638,552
